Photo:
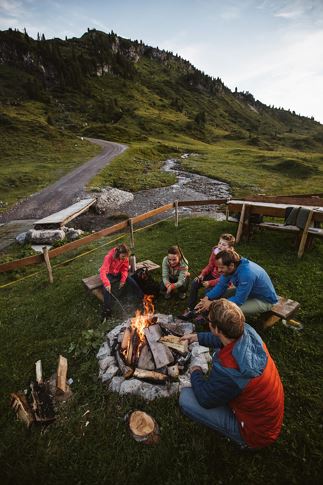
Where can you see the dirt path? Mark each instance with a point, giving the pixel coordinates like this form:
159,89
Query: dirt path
66,190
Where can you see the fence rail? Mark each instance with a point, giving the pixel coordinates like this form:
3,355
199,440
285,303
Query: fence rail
39,258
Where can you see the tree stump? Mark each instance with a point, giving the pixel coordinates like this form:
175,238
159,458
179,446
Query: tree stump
143,428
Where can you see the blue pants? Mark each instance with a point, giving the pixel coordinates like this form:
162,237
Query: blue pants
221,418
131,287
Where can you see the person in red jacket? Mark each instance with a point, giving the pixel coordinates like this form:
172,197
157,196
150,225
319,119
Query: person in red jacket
114,274
208,278
243,397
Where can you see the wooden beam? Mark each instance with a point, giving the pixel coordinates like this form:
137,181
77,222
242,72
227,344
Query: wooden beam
152,213
61,374
191,203
176,213
241,222
304,235
48,265
132,238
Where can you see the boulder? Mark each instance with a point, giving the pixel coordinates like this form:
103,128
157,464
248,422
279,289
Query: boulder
111,199
21,238
49,236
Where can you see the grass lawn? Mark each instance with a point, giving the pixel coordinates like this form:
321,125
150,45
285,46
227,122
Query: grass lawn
41,321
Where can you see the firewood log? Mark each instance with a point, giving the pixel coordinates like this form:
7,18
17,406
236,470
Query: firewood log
162,355
150,375
125,340
170,341
125,370
61,373
143,428
21,407
146,360
173,371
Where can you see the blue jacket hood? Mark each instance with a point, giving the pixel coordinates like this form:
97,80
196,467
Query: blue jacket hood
249,353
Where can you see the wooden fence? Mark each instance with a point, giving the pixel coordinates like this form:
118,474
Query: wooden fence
129,223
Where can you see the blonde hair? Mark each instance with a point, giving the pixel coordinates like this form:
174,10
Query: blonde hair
227,317
229,238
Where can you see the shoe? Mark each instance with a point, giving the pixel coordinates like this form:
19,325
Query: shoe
167,296
182,296
187,315
106,314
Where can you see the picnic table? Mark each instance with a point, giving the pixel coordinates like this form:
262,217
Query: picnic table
247,208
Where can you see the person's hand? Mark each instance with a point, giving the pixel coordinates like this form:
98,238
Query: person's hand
206,284
169,289
195,367
121,285
190,337
203,305
108,288
199,278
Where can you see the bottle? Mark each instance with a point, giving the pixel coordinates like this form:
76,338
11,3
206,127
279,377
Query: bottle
133,266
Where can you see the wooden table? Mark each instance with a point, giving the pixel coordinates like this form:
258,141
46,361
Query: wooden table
247,208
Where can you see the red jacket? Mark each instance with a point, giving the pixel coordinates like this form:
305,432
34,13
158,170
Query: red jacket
243,376
260,407
212,269
114,266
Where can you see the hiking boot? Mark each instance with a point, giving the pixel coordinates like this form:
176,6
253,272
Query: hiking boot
187,315
106,314
182,296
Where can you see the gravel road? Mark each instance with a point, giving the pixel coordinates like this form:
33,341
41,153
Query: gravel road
66,190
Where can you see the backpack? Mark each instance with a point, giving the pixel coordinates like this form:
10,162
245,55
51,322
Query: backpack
146,282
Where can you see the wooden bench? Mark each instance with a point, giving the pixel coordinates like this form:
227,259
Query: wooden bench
284,309
95,285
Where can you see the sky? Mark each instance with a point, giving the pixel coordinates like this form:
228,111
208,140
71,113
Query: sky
271,48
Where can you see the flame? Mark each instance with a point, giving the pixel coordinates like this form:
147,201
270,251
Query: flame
143,320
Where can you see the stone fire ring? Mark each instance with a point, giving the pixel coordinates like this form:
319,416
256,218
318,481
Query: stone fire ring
110,373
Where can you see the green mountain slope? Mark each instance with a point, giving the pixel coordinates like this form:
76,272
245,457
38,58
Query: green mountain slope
105,86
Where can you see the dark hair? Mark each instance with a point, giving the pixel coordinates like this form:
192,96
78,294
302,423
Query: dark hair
175,250
228,257
122,249
227,317
228,238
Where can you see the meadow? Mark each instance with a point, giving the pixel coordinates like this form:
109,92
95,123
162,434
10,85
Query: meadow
41,321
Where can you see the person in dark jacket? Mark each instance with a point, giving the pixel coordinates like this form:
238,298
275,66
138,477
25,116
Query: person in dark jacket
243,397
253,290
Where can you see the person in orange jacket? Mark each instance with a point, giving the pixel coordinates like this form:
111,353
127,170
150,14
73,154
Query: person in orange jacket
114,274
243,396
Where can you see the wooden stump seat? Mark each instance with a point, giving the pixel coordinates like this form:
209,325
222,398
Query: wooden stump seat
284,309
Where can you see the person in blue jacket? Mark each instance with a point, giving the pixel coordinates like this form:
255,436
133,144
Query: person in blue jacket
252,289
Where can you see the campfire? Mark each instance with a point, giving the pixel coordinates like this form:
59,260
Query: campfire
150,350
145,355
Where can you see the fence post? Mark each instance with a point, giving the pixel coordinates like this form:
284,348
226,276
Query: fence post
132,238
48,265
176,213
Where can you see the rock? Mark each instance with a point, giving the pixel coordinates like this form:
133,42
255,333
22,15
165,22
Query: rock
131,386
110,373
184,381
111,199
115,383
104,351
113,334
72,234
21,238
48,236
106,362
